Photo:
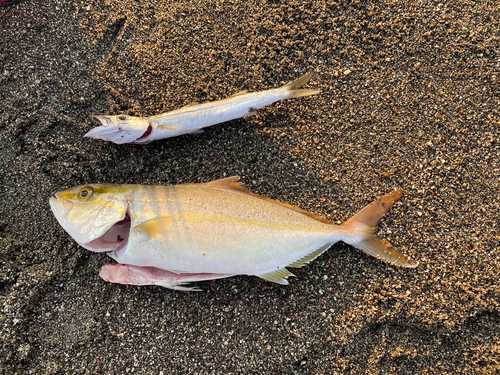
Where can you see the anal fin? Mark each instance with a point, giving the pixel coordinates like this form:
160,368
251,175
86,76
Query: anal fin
196,131
180,287
310,257
279,276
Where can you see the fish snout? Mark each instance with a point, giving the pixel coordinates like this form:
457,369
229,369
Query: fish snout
106,131
118,130
53,199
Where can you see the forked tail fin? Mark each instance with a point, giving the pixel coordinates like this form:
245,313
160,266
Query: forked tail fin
365,222
294,86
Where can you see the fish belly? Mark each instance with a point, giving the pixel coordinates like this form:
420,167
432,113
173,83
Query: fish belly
201,229
220,248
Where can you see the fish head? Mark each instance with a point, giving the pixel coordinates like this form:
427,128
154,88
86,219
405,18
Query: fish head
121,128
89,212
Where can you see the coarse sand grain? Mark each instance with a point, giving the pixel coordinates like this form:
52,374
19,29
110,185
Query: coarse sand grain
410,101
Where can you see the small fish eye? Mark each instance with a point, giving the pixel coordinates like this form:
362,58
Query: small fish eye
122,117
85,193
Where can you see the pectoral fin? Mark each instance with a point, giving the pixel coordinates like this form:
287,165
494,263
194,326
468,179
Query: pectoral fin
154,228
169,127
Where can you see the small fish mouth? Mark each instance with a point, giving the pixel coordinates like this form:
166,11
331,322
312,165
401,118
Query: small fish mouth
100,131
102,119
106,131
120,132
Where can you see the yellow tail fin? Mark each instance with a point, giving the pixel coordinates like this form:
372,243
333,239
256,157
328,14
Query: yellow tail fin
365,222
294,86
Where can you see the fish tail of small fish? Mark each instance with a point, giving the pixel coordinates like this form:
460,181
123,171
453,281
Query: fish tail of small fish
363,226
294,88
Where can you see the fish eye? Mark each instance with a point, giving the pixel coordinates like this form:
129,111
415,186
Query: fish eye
122,117
85,193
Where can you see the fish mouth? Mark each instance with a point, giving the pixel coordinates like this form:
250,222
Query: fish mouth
120,132
57,208
101,132
52,200
115,238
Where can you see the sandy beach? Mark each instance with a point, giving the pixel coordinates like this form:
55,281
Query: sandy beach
410,101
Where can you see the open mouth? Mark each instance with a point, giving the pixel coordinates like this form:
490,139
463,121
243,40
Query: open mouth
115,238
120,132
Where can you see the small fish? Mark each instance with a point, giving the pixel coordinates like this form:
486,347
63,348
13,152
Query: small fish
190,119
173,235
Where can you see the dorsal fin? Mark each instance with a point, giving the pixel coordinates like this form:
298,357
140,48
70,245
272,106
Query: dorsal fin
240,93
191,104
231,183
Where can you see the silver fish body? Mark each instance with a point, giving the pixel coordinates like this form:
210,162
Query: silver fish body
170,235
192,118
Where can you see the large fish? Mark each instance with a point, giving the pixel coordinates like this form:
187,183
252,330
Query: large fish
190,119
172,235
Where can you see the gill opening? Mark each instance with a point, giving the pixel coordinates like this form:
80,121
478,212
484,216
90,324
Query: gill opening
146,133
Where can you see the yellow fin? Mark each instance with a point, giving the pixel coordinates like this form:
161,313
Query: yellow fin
154,228
243,92
231,183
365,222
191,104
301,81
294,86
382,250
169,127
310,257
278,277
371,214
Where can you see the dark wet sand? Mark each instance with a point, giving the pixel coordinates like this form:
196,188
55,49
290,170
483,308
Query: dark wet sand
411,101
